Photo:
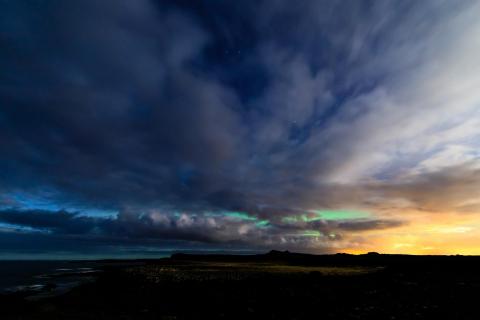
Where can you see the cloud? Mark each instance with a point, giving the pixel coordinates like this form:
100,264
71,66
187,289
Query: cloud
228,230
451,189
270,108
115,99
61,222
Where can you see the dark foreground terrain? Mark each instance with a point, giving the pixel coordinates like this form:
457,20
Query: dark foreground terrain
277,285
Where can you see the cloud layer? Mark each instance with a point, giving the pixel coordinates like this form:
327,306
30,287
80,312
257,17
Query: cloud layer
170,117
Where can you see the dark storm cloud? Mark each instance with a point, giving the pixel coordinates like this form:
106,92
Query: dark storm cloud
61,222
184,230
267,107
101,102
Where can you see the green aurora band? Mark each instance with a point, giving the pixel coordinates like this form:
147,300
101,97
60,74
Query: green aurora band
311,215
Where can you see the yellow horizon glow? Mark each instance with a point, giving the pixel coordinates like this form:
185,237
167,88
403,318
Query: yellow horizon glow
426,234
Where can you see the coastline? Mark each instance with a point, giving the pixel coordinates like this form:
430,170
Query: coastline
276,285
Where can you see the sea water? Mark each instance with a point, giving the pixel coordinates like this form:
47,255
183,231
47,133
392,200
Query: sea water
37,275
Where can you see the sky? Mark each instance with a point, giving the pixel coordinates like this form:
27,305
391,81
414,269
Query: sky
141,128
